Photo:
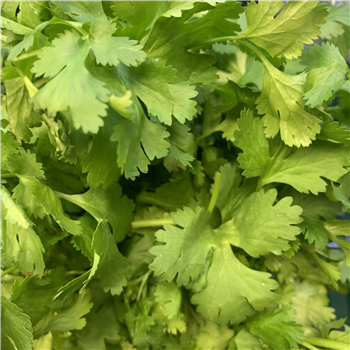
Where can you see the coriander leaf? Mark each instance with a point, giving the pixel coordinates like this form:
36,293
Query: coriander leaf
169,37
112,50
155,84
259,226
8,148
19,109
185,251
278,330
326,72
314,232
310,304
22,247
83,11
131,134
255,155
69,318
321,159
168,296
106,205
184,256
17,28
337,228
213,336
281,103
41,196
112,267
14,213
101,161
283,33
101,325
15,327
24,165
171,195
245,340
73,86
232,193
234,291
337,15
330,131
342,192
182,144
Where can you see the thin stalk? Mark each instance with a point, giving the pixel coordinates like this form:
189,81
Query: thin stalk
8,175
9,270
309,346
26,55
152,223
327,343
144,281
75,272
212,41
214,195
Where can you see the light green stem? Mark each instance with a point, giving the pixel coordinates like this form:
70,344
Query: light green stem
144,281
9,270
328,343
214,195
309,346
152,223
26,55
212,41
8,175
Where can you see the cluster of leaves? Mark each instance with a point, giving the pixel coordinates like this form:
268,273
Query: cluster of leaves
173,174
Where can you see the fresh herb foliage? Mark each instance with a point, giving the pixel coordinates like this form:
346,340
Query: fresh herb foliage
173,174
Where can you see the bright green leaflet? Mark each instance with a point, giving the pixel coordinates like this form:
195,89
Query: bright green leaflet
15,328
298,23
278,330
260,227
326,73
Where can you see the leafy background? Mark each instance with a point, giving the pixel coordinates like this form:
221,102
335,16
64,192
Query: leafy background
173,174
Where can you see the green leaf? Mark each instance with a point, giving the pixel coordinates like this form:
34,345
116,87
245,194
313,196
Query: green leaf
169,298
155,84
24,165
69,318
342,192
106,205
40,200
281,104
83,11
184,257
278,330
326,73
112,267
337,228
101,325
181,143
213,337
337,15
8,148
255,155
314,232
169,37
101,161
260,226
321,159
245,340
310,304
234,291
15,27
112,50
73,86
131,135
285,32
330,131
19,109
20,244
15,327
